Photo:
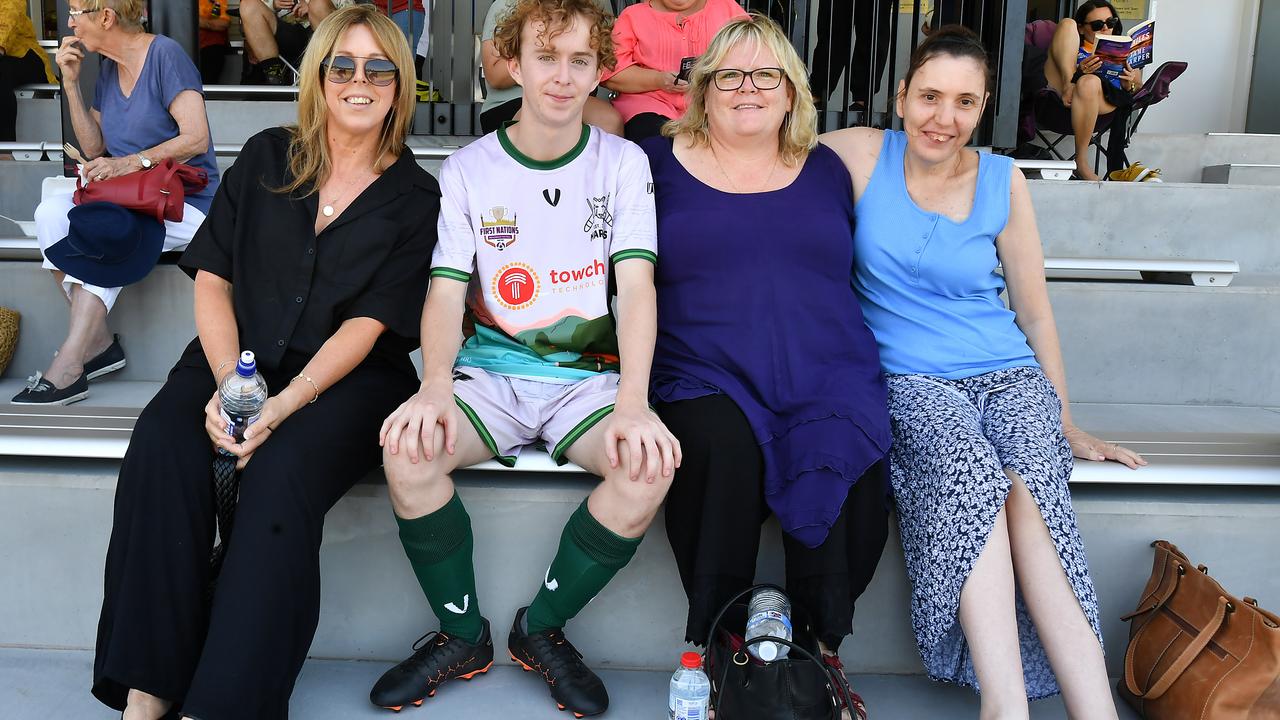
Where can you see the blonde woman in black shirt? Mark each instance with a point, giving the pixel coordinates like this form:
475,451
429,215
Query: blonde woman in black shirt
314,255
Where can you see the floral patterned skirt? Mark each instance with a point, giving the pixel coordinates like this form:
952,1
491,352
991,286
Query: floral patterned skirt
952,440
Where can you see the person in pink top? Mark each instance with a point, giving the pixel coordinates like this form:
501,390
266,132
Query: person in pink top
656,43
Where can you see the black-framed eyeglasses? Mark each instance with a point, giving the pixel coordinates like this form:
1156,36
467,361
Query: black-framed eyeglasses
730,79
1110,22
341,69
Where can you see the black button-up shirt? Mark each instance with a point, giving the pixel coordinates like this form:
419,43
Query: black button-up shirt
293,288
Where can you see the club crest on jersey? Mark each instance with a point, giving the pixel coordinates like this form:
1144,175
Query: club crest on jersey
515,286
600,219
500,232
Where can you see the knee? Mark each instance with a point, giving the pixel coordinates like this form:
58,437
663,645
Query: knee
1089,86
639,499
1068,28
252,12
408,480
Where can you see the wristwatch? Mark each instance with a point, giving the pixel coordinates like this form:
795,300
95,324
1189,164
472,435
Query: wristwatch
144,161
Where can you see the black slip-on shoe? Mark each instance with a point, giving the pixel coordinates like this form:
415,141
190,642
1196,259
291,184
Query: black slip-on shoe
39,391
573,685
107,361
437,658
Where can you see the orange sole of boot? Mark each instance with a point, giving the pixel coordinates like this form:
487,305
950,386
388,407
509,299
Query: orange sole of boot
526,668
419,701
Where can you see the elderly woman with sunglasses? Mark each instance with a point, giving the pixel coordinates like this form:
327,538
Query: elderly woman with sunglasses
315,255
1071,70
763,367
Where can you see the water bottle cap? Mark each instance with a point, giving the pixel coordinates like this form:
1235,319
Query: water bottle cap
247,365
767,651
691,660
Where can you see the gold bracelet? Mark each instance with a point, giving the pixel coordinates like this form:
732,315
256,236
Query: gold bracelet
314,387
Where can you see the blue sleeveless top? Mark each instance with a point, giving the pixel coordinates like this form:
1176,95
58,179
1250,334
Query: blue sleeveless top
928,286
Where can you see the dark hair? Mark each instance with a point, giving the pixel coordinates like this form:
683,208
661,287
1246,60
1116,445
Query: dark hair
953,41
1089,6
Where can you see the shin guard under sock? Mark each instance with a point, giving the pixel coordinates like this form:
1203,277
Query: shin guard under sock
439,546
589,556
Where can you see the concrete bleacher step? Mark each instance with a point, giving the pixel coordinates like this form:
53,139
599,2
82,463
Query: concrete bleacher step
1182,157
55,515
1242,174
36,683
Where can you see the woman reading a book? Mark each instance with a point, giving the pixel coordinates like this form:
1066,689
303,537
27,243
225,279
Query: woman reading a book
1072,69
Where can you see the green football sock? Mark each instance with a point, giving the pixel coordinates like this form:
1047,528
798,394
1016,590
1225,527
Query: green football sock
590,555
439,546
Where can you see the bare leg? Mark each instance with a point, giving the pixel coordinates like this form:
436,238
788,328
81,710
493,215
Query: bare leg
602,114
423,487
142,706
87,336
619,503
988,618
1085,109
1069,642
58,277
1062,58
259,27
318,10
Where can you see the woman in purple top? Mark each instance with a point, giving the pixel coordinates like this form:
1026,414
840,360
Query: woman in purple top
764,368
147,107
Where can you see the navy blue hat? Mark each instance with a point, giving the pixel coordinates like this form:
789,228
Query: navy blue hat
108,245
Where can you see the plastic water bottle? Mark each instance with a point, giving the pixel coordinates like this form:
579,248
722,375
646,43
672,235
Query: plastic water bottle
769,614
243,394
690,690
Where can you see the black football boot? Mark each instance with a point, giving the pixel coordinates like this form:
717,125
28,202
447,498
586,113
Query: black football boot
437,658
549,653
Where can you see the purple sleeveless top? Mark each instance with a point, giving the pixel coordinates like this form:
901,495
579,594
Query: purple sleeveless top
754,301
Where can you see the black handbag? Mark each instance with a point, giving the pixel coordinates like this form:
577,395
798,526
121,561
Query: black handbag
797,687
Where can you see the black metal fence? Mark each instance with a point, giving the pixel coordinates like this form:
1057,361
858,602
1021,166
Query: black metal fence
856,51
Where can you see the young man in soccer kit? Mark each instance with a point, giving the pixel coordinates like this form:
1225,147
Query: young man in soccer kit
539,222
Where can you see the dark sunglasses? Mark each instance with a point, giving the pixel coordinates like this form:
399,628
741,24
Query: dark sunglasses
729,79
1110,22
340,69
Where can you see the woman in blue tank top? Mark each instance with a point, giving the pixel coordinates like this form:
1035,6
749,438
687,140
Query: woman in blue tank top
982,433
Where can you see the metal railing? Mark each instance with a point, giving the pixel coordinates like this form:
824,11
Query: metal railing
856,51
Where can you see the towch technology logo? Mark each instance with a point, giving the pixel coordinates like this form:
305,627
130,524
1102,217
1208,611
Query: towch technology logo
515,286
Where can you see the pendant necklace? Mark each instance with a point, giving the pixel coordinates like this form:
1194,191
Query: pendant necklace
327,209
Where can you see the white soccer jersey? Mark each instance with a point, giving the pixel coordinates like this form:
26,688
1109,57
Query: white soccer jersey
537,242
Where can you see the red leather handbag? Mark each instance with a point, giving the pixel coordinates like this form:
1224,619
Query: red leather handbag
159,191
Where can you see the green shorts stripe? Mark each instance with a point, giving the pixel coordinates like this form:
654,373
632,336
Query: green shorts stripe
485,435
578,431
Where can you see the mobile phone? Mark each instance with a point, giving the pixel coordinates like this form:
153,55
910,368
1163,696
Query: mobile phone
686,67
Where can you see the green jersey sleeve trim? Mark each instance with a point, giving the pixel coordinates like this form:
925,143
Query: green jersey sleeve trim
452,274
532,164
634,253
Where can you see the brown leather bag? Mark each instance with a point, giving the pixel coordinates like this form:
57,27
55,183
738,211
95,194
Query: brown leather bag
1196,651
159,192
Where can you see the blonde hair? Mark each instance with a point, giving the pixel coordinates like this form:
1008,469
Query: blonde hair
309,161
799,132
559,16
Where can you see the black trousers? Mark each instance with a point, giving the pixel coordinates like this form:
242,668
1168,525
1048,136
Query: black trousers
16,71
716,505
831,57
237,657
